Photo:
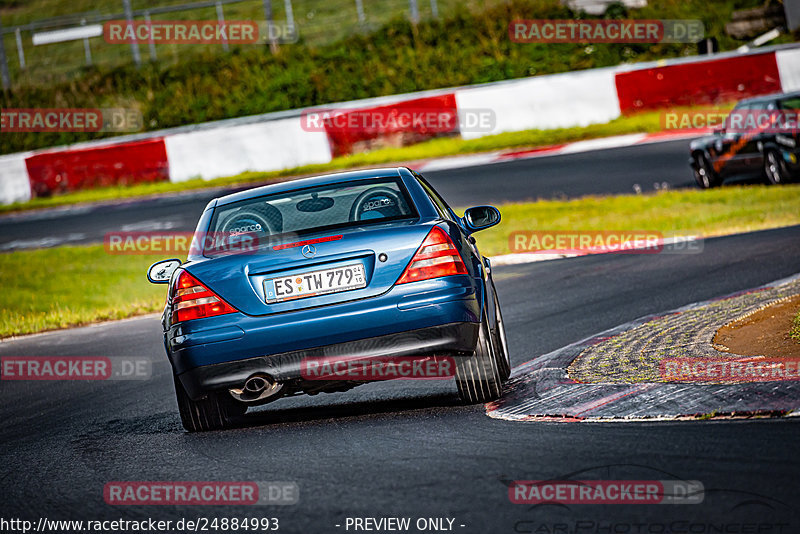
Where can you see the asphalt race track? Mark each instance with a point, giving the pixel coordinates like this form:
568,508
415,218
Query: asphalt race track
513,181
407,448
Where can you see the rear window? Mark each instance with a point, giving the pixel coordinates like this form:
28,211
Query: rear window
792,103
275,218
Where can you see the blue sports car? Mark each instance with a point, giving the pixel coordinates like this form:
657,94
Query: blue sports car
363,265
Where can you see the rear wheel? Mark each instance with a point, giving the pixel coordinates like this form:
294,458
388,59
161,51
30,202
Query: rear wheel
214,412
704,173
774,168
501,344
478,376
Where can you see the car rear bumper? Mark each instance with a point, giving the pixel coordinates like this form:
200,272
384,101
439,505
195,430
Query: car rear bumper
407,314
454,339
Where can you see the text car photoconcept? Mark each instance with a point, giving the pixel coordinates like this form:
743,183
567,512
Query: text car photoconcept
357,265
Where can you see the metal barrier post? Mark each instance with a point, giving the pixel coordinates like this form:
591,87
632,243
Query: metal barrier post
221,21
413,10
287,6
134,44
4,62
360,10
273,46
87,51
151,44
20,50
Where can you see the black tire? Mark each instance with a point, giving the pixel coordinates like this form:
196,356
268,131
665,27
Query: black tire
477,376
500,343
775,171
214,412
704,173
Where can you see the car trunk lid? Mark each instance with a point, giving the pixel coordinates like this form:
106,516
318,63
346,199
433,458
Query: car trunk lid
253,282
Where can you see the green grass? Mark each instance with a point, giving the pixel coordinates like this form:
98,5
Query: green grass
642,122
795,331
65,286
712,212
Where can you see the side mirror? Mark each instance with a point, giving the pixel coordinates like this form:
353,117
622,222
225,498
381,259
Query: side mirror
161,271
481,218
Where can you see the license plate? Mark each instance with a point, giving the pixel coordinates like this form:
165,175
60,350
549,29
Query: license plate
315,283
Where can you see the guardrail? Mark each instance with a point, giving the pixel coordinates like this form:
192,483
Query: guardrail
276,141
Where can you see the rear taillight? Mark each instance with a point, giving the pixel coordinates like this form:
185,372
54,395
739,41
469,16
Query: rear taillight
436,257
193,300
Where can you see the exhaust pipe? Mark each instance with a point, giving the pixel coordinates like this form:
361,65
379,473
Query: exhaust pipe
258,389
256,385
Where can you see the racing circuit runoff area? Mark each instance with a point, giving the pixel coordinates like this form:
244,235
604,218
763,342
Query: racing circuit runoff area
573,445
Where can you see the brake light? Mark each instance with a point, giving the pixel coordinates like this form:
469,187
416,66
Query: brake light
436,257
193,300
308,242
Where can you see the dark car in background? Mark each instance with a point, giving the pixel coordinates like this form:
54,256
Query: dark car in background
758,140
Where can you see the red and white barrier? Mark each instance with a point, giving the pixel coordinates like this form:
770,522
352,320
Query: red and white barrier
284,140
263,146
85,168
788,62
698,82
544,102
383,124
15,185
